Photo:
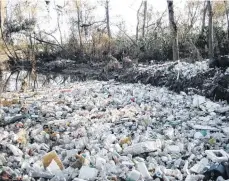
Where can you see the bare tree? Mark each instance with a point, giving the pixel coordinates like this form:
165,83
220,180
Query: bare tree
108,18
78,24
138,21
144,20
210,30
173,28
227,15
59,28
3,11
107,6
204,17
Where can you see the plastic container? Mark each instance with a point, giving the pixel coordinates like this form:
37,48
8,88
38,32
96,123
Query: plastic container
213,155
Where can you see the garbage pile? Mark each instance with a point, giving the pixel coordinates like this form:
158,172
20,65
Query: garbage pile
184,68
112,131
182,76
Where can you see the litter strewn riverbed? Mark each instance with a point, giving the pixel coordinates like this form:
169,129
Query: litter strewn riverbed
110,131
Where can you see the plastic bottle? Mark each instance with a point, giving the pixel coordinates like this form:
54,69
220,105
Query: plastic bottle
141,167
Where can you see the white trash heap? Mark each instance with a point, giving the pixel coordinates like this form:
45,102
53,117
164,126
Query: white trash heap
110,131
185,69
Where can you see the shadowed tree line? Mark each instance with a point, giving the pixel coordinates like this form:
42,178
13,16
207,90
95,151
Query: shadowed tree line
202,32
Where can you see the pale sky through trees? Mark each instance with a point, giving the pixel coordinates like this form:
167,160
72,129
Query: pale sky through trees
125,10
120,10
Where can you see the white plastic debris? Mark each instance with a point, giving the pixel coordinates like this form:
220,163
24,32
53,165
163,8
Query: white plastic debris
54,168
204,127
110,139
169,132
141,167
226,130
223,110
194,177
105,125
118,148
185,168
220,178
200,166
143,147
16,151
88,173
217,155
169,172
198,101
172,149
100,162
198,135
78,179
134,175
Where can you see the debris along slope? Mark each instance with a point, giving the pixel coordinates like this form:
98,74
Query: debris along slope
182,76
109,131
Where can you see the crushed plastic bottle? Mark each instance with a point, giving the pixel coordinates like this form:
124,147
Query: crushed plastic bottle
143,147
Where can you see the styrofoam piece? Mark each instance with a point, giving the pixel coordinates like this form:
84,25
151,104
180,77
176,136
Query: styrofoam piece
217,155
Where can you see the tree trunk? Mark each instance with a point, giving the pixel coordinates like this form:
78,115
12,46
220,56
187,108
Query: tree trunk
137,27
108,24
173,28
78,24
144,20
227,15
59,28
210,31
3,11
204,17
108,18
